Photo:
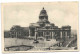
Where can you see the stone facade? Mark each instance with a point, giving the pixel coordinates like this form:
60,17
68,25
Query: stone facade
19,32
44,29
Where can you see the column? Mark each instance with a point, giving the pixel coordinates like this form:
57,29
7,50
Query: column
43,33
70,34
35,34
61,34
29,32
52,34
66,34
16,34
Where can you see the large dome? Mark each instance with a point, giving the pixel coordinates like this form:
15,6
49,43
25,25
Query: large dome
43,17
43,12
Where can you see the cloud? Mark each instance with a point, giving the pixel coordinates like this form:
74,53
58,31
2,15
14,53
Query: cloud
60,13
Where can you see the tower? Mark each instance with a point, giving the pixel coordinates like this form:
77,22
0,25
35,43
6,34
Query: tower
43,17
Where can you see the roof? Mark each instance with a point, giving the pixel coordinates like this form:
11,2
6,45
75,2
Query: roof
66,26
6,31
25,28
47,24
43,21
35,25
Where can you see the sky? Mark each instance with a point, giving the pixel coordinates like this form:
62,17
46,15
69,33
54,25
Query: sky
59,13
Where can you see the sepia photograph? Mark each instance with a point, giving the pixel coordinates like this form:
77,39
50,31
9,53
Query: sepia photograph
40,26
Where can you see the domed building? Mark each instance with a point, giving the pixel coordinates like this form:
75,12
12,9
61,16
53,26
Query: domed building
46,30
